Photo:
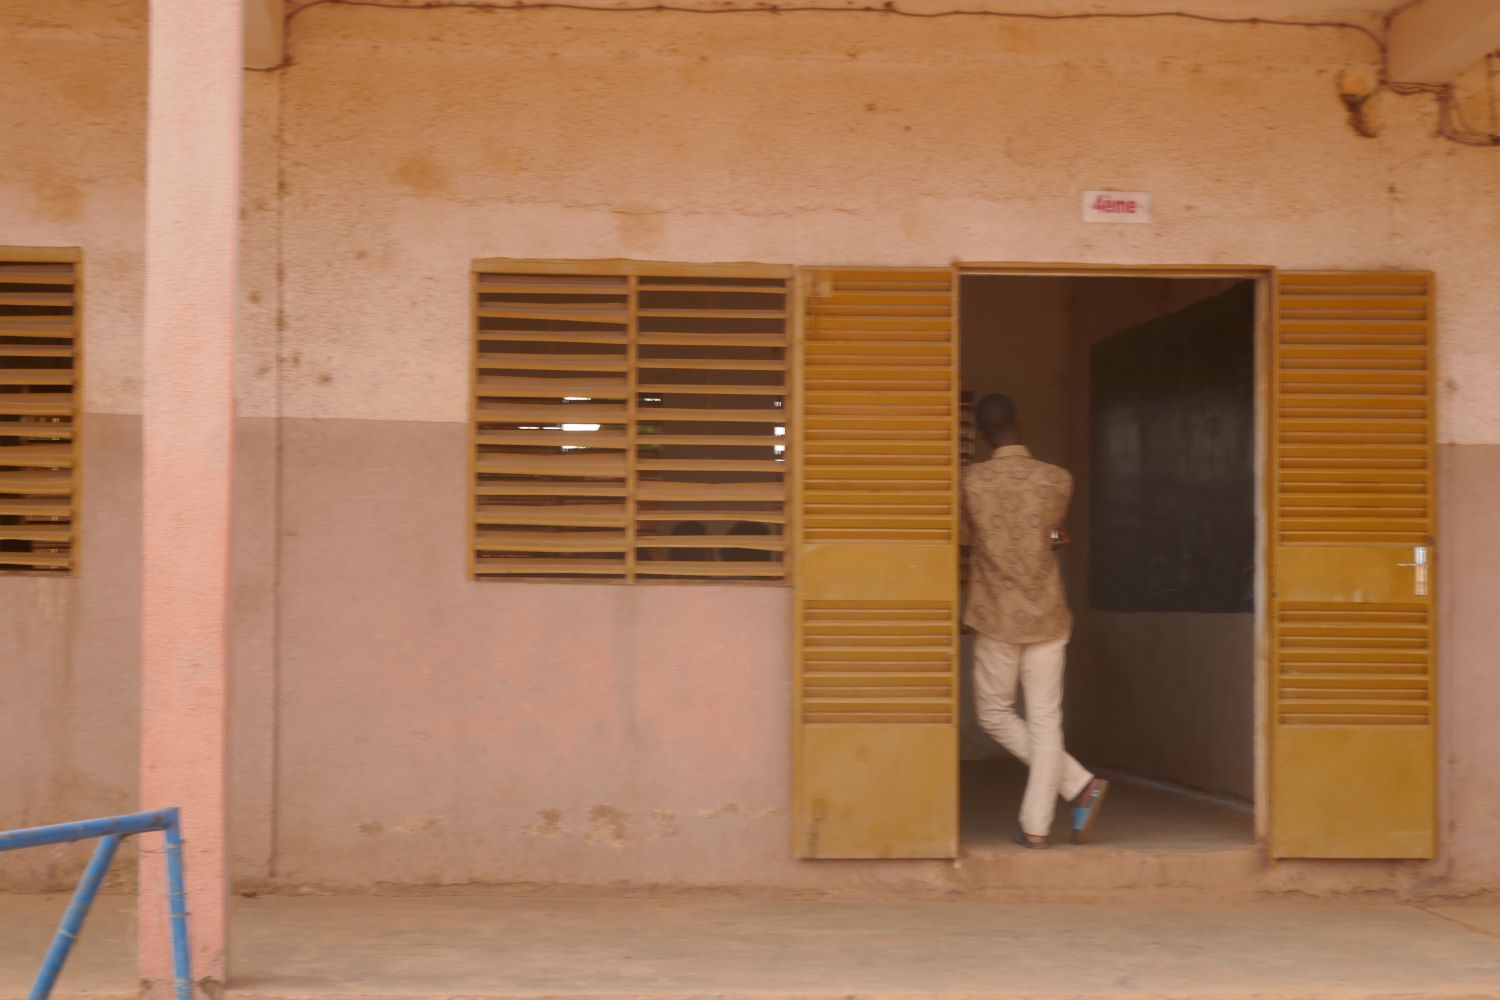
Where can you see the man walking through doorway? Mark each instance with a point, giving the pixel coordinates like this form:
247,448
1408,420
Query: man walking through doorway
1014,506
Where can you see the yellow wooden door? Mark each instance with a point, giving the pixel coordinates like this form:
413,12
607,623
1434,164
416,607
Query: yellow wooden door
1351,530
876,564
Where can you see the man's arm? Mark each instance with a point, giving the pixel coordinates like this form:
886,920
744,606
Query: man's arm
965,541
1059,536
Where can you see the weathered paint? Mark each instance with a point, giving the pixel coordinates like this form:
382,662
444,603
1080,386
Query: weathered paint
437,730
402,144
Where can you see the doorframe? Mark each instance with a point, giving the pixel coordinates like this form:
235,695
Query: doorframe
1264,276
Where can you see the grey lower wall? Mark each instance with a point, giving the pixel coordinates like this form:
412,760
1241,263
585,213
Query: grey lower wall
70,663
1166,696
435,730
70,649
1468,601
395,723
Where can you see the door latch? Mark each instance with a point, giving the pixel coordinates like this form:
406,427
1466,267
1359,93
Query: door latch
1419,567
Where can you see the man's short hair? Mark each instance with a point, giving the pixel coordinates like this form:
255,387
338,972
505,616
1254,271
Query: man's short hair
995,414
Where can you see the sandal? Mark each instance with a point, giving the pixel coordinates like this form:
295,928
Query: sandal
1029,841
1086,808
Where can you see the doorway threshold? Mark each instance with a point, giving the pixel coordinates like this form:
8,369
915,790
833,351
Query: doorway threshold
1150,836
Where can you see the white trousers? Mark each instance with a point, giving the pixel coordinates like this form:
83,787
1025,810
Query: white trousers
1036,740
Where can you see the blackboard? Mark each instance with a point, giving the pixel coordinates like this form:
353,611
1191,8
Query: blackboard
1172,461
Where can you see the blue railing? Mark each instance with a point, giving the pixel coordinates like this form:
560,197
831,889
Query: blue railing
110,831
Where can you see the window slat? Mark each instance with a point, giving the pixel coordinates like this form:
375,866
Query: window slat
52,404
49,456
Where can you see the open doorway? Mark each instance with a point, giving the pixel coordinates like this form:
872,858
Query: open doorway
1144,389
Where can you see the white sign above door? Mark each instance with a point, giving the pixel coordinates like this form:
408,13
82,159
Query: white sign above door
1116,206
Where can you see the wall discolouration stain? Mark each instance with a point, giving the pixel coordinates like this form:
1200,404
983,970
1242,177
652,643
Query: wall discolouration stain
712,139
96,92
608,825
421,824
641,229
58,200
664,824
614,827
549,824
421,175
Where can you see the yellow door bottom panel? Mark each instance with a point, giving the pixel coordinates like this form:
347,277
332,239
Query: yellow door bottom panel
877,791
1353,792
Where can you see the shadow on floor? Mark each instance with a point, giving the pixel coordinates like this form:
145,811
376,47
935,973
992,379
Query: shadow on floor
1136,816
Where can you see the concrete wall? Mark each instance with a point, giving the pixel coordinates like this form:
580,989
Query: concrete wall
1015,340
397,723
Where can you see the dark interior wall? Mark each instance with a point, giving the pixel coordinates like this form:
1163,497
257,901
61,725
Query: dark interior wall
1014,339
1161,681
1172,461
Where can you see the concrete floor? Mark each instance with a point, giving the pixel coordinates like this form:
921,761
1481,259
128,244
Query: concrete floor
395,948
342,948
1136,817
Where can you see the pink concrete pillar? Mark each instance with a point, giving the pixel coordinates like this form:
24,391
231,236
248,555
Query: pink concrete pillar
192,236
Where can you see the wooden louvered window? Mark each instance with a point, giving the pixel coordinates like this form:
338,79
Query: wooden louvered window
38,321
630,421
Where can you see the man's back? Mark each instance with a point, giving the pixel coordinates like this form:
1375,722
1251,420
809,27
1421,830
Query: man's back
1013,503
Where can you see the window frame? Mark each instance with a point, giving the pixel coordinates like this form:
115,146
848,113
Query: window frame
633,270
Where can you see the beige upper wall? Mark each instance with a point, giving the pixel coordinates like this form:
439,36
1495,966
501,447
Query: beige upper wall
72,165
829,138
403,152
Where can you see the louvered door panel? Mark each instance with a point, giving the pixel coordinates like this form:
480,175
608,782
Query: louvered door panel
877,543
38,376
1353,686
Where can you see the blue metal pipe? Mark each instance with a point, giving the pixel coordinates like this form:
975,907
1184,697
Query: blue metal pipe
111,830
182,972
72,921
63,833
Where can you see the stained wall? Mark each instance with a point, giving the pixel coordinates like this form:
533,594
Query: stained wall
401,724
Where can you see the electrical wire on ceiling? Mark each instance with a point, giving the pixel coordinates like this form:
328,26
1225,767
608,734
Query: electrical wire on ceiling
1452,124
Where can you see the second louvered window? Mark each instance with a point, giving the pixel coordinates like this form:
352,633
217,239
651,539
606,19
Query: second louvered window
38,360
630,421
